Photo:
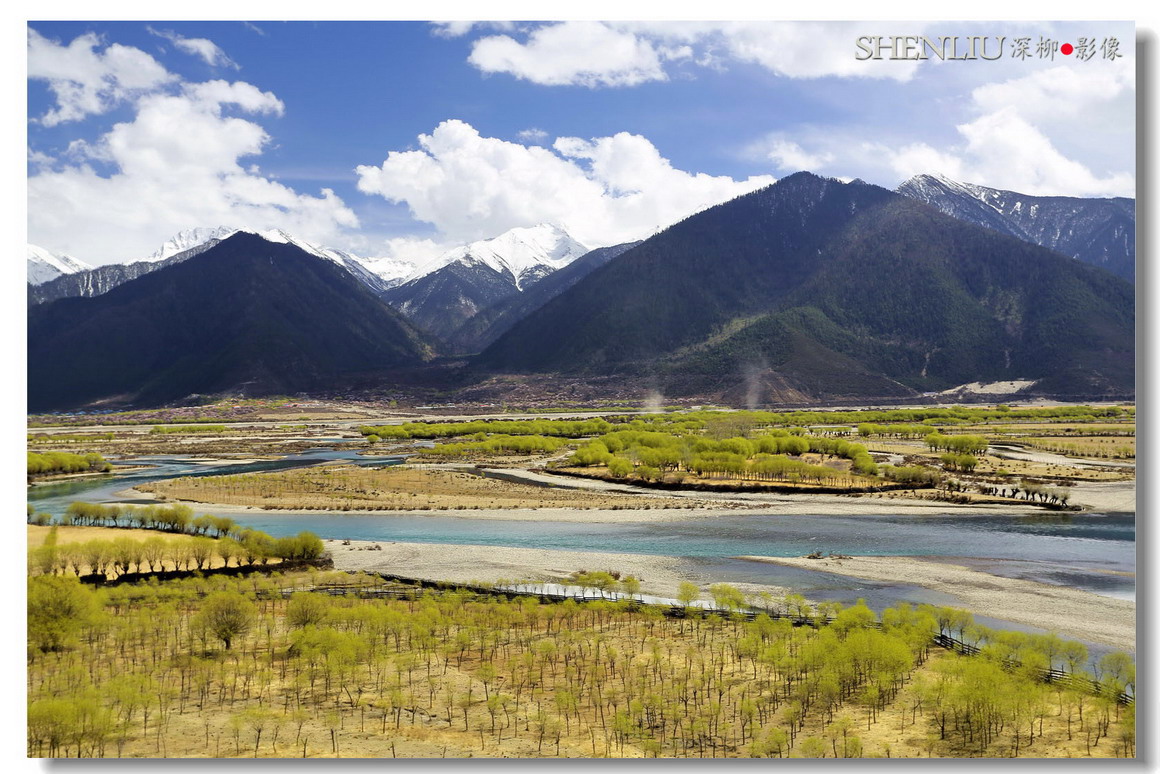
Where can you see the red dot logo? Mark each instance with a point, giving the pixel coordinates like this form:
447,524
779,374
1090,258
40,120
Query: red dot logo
1066,49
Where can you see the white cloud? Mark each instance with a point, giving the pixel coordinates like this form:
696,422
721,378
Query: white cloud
604,190
86,81
1063,130
395,257
457,29
1007,151
1001,150
1058,93
209,51
1012,142
918,158
809,49
39,159
533,135
572,53
178,163
790,157
598,54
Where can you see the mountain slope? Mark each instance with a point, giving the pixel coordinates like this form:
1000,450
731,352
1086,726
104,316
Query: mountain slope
811,288
442,295
1101,232
44,266
247,315
489,324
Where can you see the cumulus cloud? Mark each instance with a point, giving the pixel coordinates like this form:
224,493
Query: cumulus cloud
1013,139
86,81
532,135
1063,130
597,54
790,157
572,53
805,49
604,190
1058,93
398,256
206,49
177,164
1009,152
918,158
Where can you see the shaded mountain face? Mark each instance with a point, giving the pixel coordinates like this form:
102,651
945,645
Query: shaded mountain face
443,295
1101,232
44,266
490,323
244,316
814,289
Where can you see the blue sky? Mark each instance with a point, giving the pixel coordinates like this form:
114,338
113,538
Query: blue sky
404,138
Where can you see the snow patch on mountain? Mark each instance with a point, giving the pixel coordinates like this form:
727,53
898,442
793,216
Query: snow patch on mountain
44,266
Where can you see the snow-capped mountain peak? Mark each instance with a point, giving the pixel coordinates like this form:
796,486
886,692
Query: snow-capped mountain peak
188,239
521,253
44,266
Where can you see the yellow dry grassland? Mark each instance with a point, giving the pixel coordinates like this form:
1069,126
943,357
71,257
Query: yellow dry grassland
395,488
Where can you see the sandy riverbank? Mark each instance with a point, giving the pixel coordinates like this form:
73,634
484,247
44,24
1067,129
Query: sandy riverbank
1105,496
659,575
1071,612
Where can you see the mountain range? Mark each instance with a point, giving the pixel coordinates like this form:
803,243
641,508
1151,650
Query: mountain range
247,315
185,245
807,290
812,289
444,294
1101,232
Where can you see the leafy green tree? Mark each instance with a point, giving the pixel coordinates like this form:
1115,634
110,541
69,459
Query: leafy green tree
727,597
58,607
687,594
630,585
227,615
307,610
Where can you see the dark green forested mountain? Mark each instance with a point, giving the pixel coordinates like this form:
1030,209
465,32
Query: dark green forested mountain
812,288
247,315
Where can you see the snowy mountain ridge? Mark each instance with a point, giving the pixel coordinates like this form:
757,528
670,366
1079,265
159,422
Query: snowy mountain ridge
44,266
1096,231
521,253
